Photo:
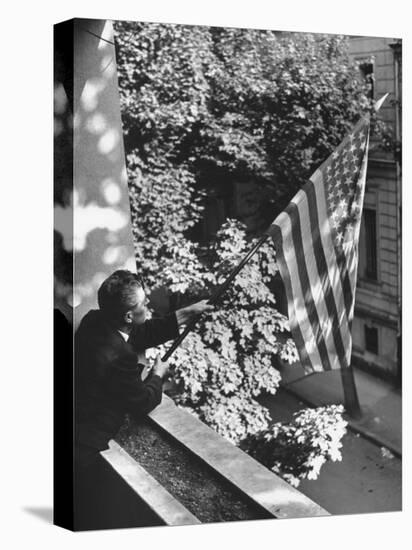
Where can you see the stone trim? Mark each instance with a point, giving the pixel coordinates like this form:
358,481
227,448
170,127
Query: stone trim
247,475
165,506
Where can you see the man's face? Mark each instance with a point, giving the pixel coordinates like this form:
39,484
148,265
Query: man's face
139,312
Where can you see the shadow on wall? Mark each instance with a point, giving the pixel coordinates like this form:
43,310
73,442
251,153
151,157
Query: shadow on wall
63,165
93,215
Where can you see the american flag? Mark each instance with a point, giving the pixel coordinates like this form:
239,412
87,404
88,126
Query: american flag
316,240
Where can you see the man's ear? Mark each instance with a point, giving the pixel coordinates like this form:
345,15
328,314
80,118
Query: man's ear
128,317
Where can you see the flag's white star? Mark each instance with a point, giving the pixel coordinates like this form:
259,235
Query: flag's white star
335,155
343,204
339,238
339,192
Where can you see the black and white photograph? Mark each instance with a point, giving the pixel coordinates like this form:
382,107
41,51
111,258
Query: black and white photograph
205,275
228,257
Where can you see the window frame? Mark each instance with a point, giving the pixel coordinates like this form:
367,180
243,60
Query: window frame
363,62
371,202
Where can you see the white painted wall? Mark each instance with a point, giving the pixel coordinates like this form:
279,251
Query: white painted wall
102,237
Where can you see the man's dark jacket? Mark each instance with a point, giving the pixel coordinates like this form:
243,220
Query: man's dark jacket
108,381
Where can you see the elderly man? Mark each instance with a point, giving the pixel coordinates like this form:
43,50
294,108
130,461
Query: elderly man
109,351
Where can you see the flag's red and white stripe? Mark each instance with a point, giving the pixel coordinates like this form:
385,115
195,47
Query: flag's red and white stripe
316,240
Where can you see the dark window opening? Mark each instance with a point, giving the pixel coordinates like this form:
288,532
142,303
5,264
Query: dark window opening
369,217
371,339
367,71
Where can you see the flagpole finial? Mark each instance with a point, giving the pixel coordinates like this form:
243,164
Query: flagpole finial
378,104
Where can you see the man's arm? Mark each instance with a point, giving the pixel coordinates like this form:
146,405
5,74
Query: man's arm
156,331
125,385
186,314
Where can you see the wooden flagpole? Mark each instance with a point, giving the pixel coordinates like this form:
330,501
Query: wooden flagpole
218,293
350,393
